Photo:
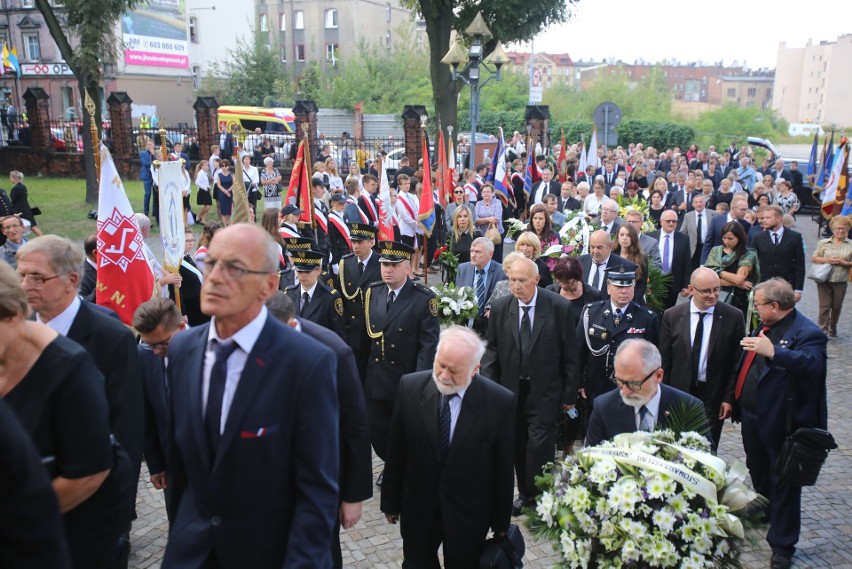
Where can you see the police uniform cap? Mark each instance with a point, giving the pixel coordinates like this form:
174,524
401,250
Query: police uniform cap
621,276
362,231
298,244
394,252
306,261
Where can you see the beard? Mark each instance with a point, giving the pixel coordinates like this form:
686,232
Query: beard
635,400
444,389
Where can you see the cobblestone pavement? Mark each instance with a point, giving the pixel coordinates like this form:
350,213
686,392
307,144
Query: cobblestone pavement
826,516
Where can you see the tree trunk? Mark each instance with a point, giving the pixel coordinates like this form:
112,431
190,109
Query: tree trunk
90,146
439,21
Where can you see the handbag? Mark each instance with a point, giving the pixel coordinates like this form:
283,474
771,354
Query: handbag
493,235
804,450
504,552
819,272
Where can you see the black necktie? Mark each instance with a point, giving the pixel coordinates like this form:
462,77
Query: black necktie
700,241
361,268
526,331
216,392
598,271
696,348
444,423
391,296
775,237
306,300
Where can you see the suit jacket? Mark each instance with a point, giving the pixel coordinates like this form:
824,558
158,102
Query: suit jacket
353,285
614,261
549,362
269,497
714,236
690,227
723,350
465,276
571,204
356,459
681,267
226,150
337,244
611,416
650,248
554,187
113,347
88,281
156,396
190,293
613,230
325,307
474,484
403,339
785,260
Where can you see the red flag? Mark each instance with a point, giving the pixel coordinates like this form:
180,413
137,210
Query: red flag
299,190
442,179
125,279
426,215
560,162
535,173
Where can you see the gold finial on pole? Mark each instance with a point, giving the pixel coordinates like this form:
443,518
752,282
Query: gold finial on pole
93,128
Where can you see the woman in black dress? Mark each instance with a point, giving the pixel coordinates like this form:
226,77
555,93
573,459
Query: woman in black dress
20,200
58,395
224,180
464,233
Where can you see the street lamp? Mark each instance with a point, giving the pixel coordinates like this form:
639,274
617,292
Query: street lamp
471,72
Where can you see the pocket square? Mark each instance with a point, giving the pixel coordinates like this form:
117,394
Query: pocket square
259,433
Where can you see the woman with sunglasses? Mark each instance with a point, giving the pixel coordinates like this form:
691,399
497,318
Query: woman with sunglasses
458,200
224,180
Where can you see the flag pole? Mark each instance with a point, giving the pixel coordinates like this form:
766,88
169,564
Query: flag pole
93,129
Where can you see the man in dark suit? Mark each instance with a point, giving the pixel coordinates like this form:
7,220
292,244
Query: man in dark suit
449,475
226,143
599,258
108,341
356,461
355,273
403,326
700,347
788,352
315,301
178,149
609,173
157,321
254,439
567,202
779,173
739,205
781,251
547,185
367,200
190,284
696,225
675,259
640,402
481,274
532,352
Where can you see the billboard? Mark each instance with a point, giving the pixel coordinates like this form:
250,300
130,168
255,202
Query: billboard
155,35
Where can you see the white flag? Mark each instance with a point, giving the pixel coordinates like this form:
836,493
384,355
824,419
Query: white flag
171,213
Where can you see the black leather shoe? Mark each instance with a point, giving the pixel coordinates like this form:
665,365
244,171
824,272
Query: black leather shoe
380,479
517,506
780,561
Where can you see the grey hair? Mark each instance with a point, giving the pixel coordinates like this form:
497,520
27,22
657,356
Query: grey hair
647,352
485,242
143,221
16,175
268,161
456,334
775,289
62,255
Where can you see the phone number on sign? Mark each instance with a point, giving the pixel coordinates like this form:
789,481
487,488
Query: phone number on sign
176,47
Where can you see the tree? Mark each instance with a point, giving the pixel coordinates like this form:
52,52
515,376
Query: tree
243,78
508,20
91,25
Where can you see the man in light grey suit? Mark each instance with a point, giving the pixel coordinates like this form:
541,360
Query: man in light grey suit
481,268
695,233
650,246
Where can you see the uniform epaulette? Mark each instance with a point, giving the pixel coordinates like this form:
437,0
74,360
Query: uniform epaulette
293,286
420,288
347,255
597,302
375,284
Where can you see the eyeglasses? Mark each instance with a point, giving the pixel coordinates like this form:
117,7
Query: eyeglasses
459,192
231,270
759,304
36,280
159,346
668,220
632,385
707,291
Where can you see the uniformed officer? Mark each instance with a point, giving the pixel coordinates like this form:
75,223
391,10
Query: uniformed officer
403,327
604,325
355,272
339,238
315,301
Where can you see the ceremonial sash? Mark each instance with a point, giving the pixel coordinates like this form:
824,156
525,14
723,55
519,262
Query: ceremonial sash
472,194
341,226
287,232
403,198
370,206
319,216
353,201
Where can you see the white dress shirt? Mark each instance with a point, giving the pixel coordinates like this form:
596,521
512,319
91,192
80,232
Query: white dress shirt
62,322
310,291
653,407
455,409
245,338
705,337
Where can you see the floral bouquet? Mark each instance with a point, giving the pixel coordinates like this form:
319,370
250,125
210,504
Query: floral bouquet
626,204
573,237
455,305
514,227
645,500
448,261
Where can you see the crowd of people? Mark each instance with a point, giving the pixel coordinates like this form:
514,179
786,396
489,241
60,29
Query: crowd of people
297,349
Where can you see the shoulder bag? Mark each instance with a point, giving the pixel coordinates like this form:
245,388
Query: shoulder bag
504,552
493,235
819,272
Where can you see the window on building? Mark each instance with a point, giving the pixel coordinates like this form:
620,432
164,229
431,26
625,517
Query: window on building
388,39
283,54
32,47
283,25
299,20
193,29
752,92
420,43
264,23
27,3
331,53
388,12
732,92
300,52
331,18
750,104
196,77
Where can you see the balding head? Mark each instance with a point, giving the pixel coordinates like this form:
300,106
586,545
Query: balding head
704,288
524,279
600,245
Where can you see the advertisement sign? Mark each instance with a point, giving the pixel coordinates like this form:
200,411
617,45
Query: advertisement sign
155,35
44,69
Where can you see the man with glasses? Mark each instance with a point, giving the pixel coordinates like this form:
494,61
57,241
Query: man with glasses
700,347
254,440
13,231
157,321
674,256
640,401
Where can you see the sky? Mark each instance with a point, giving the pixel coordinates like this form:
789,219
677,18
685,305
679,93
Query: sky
743,31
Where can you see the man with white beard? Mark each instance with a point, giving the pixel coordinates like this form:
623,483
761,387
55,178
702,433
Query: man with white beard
449,465
640,402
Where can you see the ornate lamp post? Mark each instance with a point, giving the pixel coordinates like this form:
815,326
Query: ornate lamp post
474,65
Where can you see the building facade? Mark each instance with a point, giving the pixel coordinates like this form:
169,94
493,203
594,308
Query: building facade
813,83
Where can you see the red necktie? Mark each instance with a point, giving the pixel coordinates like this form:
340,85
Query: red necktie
749,359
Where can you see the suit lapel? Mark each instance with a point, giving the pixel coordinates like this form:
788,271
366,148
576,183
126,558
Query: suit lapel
512,321
430,408
542,310
469,413
81,328
194,378
715,331
686,328
399,302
